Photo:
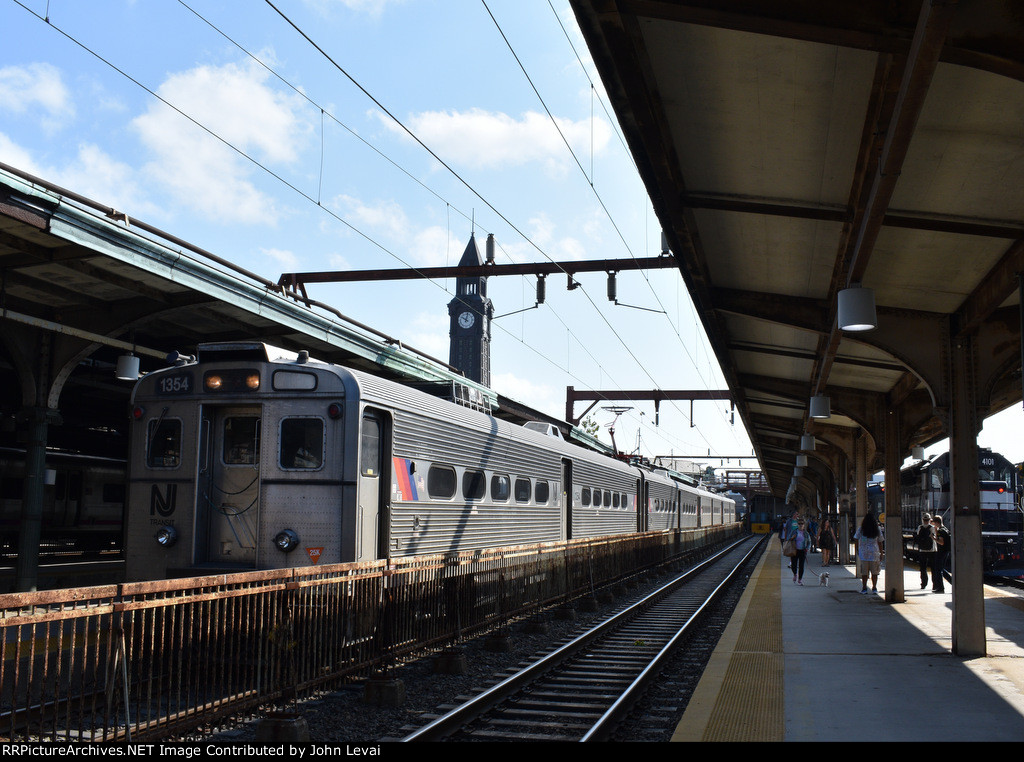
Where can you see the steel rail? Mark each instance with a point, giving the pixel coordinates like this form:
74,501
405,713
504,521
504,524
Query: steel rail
611,718
461,715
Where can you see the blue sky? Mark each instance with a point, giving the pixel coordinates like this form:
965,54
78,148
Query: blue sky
221,123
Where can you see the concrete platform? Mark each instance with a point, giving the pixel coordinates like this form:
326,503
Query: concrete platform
814,663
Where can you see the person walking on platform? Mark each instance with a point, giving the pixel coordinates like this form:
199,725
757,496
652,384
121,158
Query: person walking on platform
925,539
869,552
802,541
943,545
827,542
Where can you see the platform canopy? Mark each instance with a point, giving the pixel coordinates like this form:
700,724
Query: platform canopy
796,149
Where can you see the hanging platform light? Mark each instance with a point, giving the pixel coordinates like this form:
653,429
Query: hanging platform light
821,406
857,309
807,442
127,367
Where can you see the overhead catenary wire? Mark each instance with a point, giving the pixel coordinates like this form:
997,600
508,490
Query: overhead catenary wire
314,197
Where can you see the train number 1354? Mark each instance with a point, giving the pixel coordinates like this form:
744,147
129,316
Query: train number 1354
180,383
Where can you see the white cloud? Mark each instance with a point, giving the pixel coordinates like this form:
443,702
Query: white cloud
429,333
372,8
13,154
492,140
90,172
288,260
38,85
387,223
541,397
235,103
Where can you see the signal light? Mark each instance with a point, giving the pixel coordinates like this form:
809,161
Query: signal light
137,412
334,410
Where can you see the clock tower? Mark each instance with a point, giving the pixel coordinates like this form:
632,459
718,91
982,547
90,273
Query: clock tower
470,313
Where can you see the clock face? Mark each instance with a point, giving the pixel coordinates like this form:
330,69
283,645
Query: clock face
466,319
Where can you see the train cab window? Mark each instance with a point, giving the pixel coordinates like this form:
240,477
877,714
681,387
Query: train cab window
524,490
164,439
241,440
301,444
585,497
441,482
542,493
474,485
501,488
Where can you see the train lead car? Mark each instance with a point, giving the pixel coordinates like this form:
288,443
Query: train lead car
241,462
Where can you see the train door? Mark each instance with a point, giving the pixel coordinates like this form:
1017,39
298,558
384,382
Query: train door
374,514
567,498
227,503
641,514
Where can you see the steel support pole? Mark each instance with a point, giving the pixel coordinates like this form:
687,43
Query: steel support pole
965,503
894,589
37,421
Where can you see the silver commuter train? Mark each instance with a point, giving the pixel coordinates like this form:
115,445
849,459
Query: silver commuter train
241,462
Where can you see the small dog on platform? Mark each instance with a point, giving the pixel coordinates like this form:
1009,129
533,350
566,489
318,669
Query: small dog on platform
822,578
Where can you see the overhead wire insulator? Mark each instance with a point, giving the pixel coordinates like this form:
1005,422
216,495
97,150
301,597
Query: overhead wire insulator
612,290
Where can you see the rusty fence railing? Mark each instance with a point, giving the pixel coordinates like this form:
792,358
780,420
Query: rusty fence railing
149,660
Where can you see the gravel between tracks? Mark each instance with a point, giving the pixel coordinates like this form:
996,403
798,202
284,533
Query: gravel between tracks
341,716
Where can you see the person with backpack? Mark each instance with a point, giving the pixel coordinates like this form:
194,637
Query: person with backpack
943,545
925,540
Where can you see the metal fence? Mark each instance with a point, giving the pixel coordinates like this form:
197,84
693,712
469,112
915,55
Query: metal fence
148,660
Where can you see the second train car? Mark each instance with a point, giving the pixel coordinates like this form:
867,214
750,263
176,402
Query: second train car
242,462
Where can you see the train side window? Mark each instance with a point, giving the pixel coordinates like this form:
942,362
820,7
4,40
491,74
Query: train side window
624,501
113,492
474,485
301,443
369,448
607,499
523,490
164,439
585,497
241,440
542,492
597,498
501,488
441,482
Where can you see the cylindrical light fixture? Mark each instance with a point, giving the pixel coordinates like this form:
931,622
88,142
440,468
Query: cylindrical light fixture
127,367
807,442
857,309
917,453
798,471
801,461
821,406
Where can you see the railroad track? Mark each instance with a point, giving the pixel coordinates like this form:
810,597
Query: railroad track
583,690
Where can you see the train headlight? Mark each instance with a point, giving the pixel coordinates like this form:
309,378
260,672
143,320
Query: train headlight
213,382
166,537
286,541
252,381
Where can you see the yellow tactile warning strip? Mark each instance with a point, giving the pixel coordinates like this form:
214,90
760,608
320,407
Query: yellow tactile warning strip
740,695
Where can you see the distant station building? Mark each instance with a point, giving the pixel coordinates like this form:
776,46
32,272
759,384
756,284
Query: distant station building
470,313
